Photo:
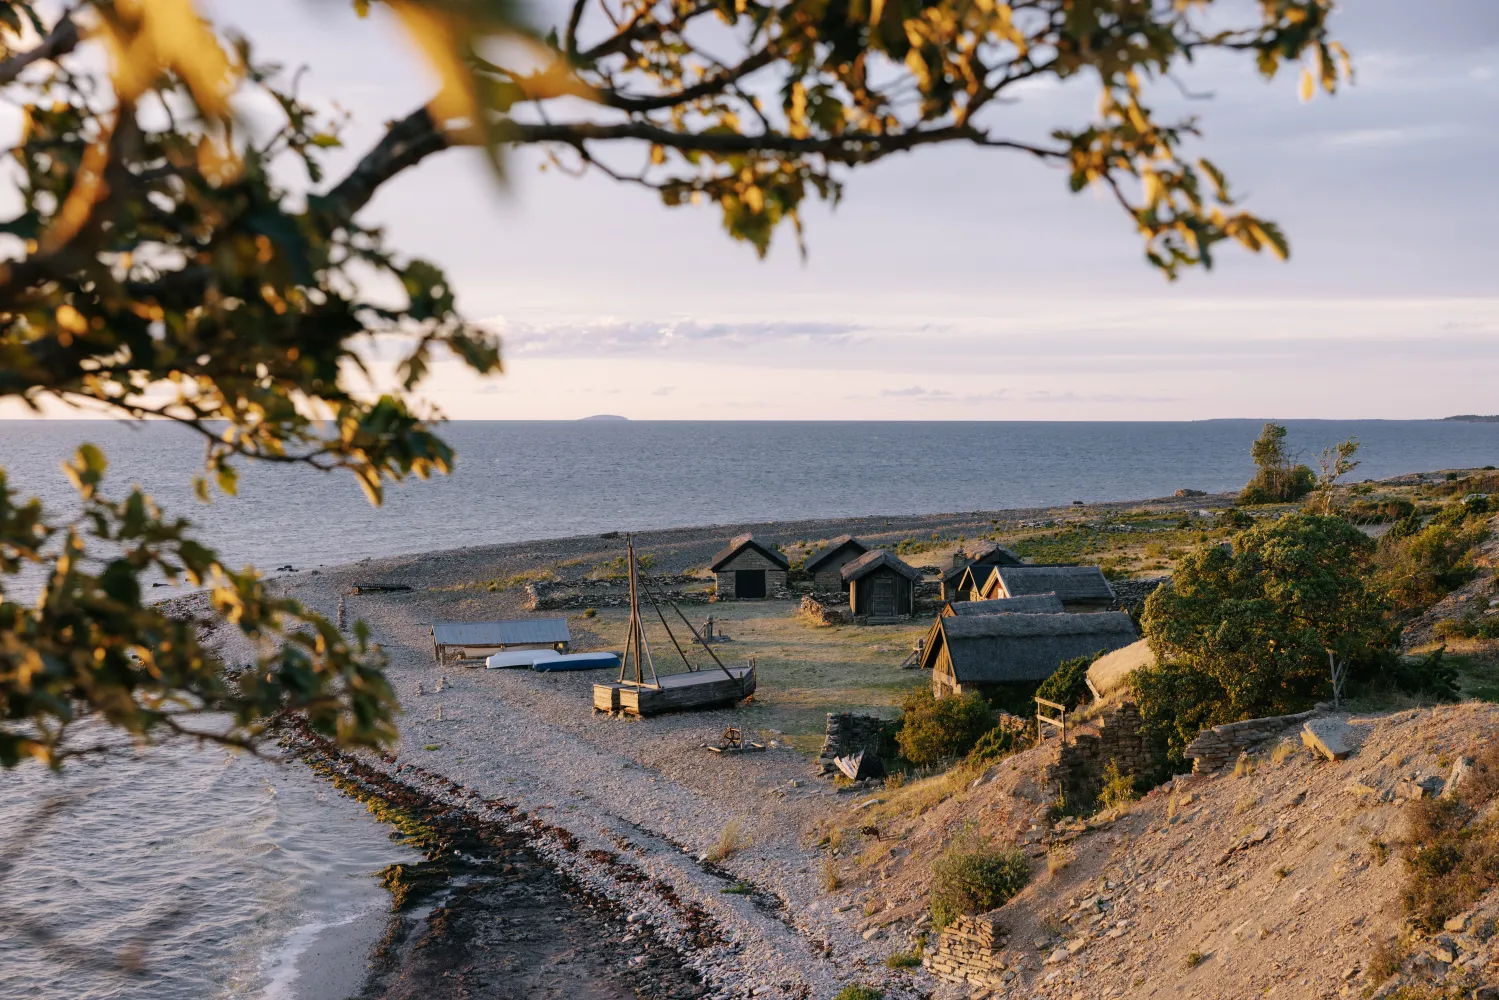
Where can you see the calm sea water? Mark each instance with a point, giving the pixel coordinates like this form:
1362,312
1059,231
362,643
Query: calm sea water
260,857
525,480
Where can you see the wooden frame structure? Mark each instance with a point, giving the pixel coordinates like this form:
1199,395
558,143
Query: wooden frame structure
1060,722
692,688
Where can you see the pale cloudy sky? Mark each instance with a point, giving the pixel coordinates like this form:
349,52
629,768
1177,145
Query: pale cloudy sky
967,284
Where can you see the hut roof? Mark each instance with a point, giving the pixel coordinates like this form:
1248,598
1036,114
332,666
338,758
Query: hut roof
873,560
739,543
1070,583
527,631
992,554
834,547
1018,647
1030,604
1110,672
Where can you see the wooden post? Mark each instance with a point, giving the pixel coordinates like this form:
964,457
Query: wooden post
1060,721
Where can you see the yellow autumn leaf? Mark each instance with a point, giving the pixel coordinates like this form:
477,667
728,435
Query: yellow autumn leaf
144,39
437,37
71,319
1308,85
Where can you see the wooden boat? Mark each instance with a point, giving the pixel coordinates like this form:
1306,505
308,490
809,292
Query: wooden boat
643,692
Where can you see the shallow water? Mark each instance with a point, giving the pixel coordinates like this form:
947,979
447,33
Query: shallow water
223,867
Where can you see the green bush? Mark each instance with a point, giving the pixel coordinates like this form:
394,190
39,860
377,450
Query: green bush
969,879
1069,685
1278,486
1118,788
1380,511
1011,735
1419,567
936,729
1176,703
858,991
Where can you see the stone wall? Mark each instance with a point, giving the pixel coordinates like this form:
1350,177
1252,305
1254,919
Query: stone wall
969,952
775,577
1077,770
1221,745
848,733
1130,595
826,609
553,595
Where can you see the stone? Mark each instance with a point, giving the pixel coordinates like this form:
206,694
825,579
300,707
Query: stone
873,933
1443,953
1334,739
1462,769
1059,955
1457,923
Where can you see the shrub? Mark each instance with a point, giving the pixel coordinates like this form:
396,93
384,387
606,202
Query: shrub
1194,959
936,729
1380,511
1450,863
858,991
1176,703
832,879
905,959
731,839
1384,962
967,879
1010,735
1118,788
1419,568
1069,685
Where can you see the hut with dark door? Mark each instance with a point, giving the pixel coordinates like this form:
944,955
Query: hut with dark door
826,568
1081,588
970,568
1029,604
977,652
747,569
881,588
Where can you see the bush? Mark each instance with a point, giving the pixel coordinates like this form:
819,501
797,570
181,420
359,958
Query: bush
1010,735
1450,863
858,991
974,880
1069,685
1419,565
1118,788
1176,703
1278,486
1379,511
936,729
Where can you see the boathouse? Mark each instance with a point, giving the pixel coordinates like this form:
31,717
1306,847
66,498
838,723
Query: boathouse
975,652
1028,604
826,568
476,640
747,569
970,569
881,588
1080,588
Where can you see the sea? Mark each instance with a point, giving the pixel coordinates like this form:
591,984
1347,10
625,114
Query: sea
220,869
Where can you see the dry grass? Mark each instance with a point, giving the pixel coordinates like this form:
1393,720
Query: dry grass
1244,766
1284,751
832,879
1058,857
731,839
1245,804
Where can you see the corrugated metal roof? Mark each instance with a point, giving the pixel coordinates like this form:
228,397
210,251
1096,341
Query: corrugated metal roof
509,633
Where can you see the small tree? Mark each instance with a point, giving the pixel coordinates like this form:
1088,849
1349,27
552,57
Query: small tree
1279,479
936,729
1335,462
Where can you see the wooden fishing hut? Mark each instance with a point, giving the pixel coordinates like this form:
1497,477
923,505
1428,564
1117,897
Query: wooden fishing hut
641,691
881,587
826,568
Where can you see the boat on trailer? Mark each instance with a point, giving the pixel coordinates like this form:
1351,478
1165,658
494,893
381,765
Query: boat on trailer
641,691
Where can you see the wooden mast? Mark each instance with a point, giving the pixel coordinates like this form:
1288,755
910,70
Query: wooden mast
635,638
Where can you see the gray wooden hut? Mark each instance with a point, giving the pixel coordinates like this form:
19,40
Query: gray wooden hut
970,568
881,587
1081,588
474,640
747,569
972,652
1028,604
826,568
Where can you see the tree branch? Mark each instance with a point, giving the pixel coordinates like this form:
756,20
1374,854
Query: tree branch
711,84
407,143
62,39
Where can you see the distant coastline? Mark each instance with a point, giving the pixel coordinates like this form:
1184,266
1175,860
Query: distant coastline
1473,418
604,416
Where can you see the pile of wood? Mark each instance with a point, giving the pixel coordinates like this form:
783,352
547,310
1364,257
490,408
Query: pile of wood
969,951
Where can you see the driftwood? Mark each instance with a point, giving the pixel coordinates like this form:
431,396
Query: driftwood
858,766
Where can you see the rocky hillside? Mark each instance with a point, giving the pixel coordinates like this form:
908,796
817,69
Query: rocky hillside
1282,877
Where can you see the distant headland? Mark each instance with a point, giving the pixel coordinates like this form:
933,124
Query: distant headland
605,416
1474,418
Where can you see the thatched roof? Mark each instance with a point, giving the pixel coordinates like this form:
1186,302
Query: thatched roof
992,554
987,649
1030,604
1110,672
871,561
739,543
841,544
1070,583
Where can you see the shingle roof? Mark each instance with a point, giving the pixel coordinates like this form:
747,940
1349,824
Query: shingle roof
504,633
739,543
1018,647
873,560
1070,583
827,554
1034,604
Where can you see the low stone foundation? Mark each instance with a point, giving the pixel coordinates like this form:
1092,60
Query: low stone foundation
969,951
1221,745
847,734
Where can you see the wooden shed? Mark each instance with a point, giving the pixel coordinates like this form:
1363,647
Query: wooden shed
971,652
747,569
476,640
1029,604
881,587
826,568
970,568
1081,588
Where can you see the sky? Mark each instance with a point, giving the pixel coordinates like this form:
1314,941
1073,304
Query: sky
958,283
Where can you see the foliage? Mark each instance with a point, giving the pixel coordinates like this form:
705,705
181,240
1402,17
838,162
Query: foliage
905,959
1379,511
974,879
1069,685
1450,860
937,729
1418,565
1118,788
1176,703
858,991
176,254
1278,479
1010,735
1259,621
1334,462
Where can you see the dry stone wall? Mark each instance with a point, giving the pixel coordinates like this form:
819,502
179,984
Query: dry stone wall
826,609
968,952
548,595
1220,746
1078,766
847,734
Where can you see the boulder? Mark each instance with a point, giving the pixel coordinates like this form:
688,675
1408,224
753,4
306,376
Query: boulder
1462,769
1334,739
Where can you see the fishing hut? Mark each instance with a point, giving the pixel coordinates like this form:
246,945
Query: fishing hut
641,690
